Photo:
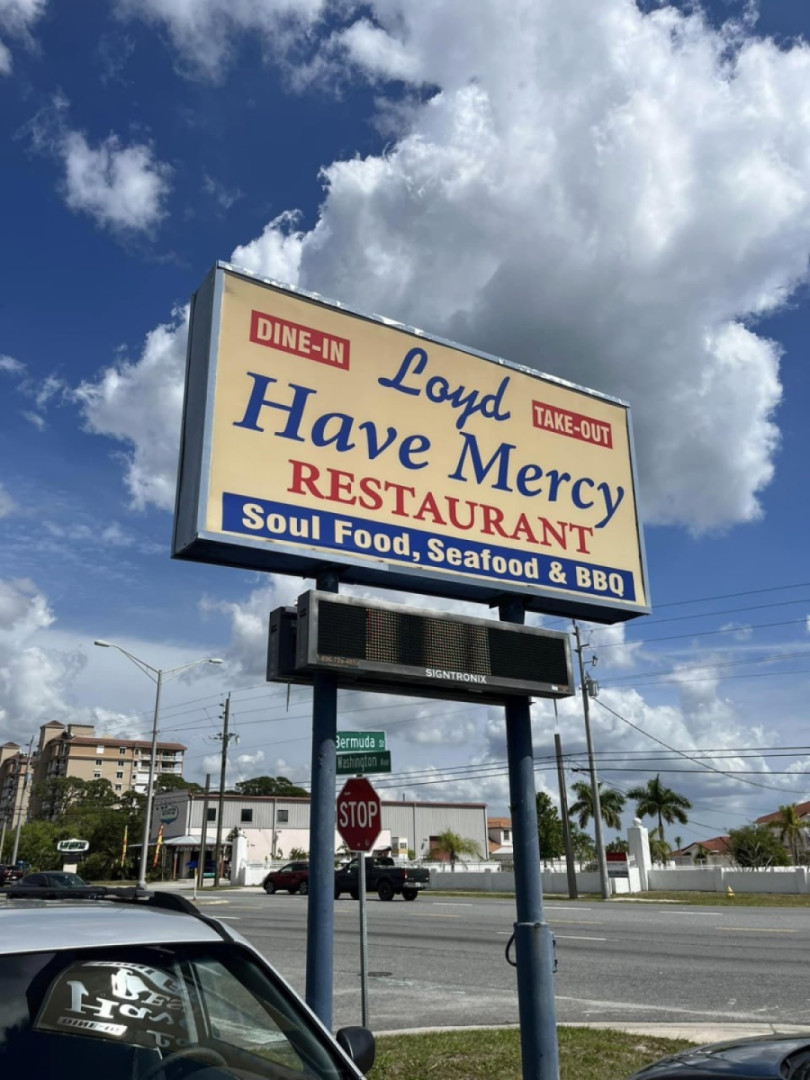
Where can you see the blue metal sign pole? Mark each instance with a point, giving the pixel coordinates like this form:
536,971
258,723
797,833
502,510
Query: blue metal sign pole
321,899
534,945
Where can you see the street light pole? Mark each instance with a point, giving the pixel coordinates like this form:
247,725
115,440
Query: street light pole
150,787
158,676
28,767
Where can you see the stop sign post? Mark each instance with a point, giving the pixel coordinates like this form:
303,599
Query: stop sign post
358,814
358,822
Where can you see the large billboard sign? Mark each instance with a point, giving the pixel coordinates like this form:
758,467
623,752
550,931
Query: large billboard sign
316,435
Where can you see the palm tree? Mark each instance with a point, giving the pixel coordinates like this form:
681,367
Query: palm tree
657,800
791,830
611,803
452,845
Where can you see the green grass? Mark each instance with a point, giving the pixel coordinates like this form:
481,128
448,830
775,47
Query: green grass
719,899
585,1054
707,899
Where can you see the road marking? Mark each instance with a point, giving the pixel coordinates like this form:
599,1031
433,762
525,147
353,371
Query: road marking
229,918
577,937
757,929
451,903
563,907
705,914
624,1007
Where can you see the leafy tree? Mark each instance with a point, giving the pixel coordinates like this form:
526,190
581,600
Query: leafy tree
702,854
582,844
452,845
611,803
658,801
170,782
617,845
86,810
660,850
549,827
38,840
791,831
756,846
270,785
297,854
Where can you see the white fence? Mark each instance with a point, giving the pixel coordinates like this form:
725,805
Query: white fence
782,879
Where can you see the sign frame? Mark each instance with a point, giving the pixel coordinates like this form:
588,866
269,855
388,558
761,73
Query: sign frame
194,540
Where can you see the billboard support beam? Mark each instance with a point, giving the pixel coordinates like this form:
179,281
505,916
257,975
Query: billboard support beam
534,945
321,898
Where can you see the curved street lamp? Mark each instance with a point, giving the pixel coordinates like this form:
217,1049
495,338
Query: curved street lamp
158,676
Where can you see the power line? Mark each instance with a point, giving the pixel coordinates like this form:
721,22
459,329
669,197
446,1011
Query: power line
703,764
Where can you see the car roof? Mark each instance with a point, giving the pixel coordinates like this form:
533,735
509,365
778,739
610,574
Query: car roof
51,925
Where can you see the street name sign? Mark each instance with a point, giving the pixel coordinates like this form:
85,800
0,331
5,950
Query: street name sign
351,741
377,761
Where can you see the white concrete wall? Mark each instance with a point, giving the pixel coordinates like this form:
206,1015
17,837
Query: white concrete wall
794,879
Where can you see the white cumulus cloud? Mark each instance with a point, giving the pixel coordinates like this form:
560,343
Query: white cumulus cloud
205,32
16,19
613,197
120,187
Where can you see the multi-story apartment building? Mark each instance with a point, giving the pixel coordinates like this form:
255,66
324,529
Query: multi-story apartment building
77,751
14,792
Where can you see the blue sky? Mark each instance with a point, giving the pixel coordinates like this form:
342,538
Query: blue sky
622,200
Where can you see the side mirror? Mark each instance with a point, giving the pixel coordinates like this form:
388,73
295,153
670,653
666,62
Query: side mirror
358,1042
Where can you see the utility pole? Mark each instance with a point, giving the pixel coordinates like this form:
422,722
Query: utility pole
566,825
199,873
28,767
226,737
604,881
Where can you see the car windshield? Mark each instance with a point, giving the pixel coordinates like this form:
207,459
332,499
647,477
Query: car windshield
164,1012
67,880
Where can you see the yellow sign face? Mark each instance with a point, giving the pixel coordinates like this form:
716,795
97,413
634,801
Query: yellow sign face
339,438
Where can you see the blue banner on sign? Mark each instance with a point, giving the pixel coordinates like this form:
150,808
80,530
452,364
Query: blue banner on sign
416,547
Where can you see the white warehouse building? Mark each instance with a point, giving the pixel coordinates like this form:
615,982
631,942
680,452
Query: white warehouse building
272,827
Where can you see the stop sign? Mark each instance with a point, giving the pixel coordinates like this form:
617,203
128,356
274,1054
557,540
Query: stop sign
358,814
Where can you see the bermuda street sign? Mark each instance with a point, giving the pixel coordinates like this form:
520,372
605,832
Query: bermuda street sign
379,762
351,741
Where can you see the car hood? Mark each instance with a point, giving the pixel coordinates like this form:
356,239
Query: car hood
760,1057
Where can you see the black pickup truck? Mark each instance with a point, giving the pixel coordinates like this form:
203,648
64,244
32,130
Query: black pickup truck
384,877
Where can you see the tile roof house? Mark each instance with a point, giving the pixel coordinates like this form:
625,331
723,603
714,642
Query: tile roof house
499,831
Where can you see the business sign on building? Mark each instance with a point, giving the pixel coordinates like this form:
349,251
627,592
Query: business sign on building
313,432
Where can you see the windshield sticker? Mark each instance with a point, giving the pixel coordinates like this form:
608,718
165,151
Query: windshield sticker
132,1003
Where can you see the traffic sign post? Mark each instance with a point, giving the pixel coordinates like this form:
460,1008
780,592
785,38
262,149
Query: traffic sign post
358,822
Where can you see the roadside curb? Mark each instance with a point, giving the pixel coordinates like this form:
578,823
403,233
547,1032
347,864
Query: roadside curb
696,1033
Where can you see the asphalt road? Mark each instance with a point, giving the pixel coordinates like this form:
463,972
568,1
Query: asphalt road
440,961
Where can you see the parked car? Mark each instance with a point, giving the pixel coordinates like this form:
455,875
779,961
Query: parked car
142,984
52,879
9,874
384,877
767,1057
294,877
